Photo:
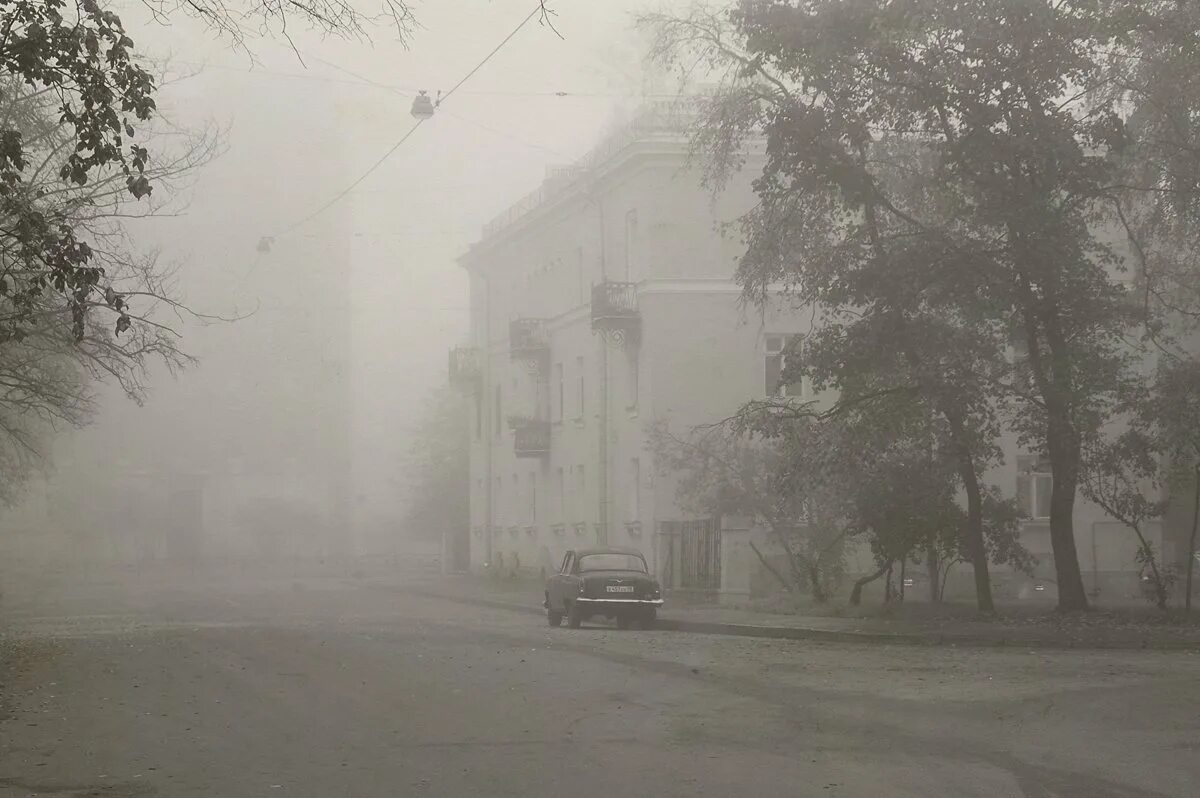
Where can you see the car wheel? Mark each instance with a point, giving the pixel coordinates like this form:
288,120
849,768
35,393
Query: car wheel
574,616
649,617
554,617
624,621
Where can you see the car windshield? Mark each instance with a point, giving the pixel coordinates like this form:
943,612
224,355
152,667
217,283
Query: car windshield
612,562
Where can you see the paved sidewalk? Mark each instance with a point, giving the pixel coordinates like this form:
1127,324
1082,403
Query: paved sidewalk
525,596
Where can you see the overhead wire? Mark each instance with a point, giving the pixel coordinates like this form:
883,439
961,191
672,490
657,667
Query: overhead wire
355,79
341,194
404,92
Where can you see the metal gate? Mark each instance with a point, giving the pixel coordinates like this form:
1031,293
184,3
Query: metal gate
699,553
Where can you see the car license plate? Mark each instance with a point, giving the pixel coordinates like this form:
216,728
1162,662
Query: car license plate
620,588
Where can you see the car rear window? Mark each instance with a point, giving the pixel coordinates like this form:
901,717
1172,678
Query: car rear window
612,562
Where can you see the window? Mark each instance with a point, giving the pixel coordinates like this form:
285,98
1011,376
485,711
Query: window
514,499
632,379
558,380
1034,486
532,497
612,562
631,226
779,349
1022,370
499,413
562,496
582,388
583,297
581,492
635,489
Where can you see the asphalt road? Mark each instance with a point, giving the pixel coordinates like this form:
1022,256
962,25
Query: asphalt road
330,688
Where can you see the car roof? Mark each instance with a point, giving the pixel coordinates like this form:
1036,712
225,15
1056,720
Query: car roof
610,550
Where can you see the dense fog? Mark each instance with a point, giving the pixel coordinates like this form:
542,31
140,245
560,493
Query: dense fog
286,438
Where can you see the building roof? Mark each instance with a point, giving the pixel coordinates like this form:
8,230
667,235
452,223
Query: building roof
659,121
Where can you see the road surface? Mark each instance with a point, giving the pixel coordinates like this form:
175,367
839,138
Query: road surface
330,688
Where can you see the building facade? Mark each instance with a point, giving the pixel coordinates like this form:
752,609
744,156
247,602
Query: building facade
603,303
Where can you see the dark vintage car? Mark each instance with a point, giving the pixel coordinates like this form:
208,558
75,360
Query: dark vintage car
608,582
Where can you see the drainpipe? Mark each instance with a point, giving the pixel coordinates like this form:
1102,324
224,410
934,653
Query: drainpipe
603,420
487,411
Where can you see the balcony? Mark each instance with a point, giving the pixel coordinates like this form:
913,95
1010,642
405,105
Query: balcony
528,340
465,370
615,311
531,437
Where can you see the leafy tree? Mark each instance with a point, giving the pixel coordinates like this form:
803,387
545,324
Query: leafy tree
953,159
1119,475
805,509
1170,420
80,59
818,480
436,472
79,302
1150,70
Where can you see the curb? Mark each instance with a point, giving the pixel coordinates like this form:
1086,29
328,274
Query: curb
668,624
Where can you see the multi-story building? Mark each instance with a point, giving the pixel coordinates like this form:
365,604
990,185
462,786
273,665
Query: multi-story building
603,303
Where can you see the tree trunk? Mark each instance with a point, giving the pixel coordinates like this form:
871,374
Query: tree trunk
887,584
903,576
815,585
1064,450
1191,551
1063,444
771,568
976,549
859,584
935,595
946,575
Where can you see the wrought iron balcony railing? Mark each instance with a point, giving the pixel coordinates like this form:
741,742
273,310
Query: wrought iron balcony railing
465,371
531,437
615,311
528,339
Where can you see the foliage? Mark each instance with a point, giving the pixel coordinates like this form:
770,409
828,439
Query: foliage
72,93
963,161
79,302
817,481
1168,418
725,471
1120,474
435,473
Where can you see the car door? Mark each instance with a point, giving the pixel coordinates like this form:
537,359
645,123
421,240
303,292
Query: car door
558,588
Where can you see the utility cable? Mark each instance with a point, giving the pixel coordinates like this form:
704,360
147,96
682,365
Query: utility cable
341,194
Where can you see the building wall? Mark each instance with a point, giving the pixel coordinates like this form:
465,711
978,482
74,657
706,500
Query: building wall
641,216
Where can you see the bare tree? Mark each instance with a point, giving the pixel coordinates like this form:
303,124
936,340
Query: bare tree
241,21
58,344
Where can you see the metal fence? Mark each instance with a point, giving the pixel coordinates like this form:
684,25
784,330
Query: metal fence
695,550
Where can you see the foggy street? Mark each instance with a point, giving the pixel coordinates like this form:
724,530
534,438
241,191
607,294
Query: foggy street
342,687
